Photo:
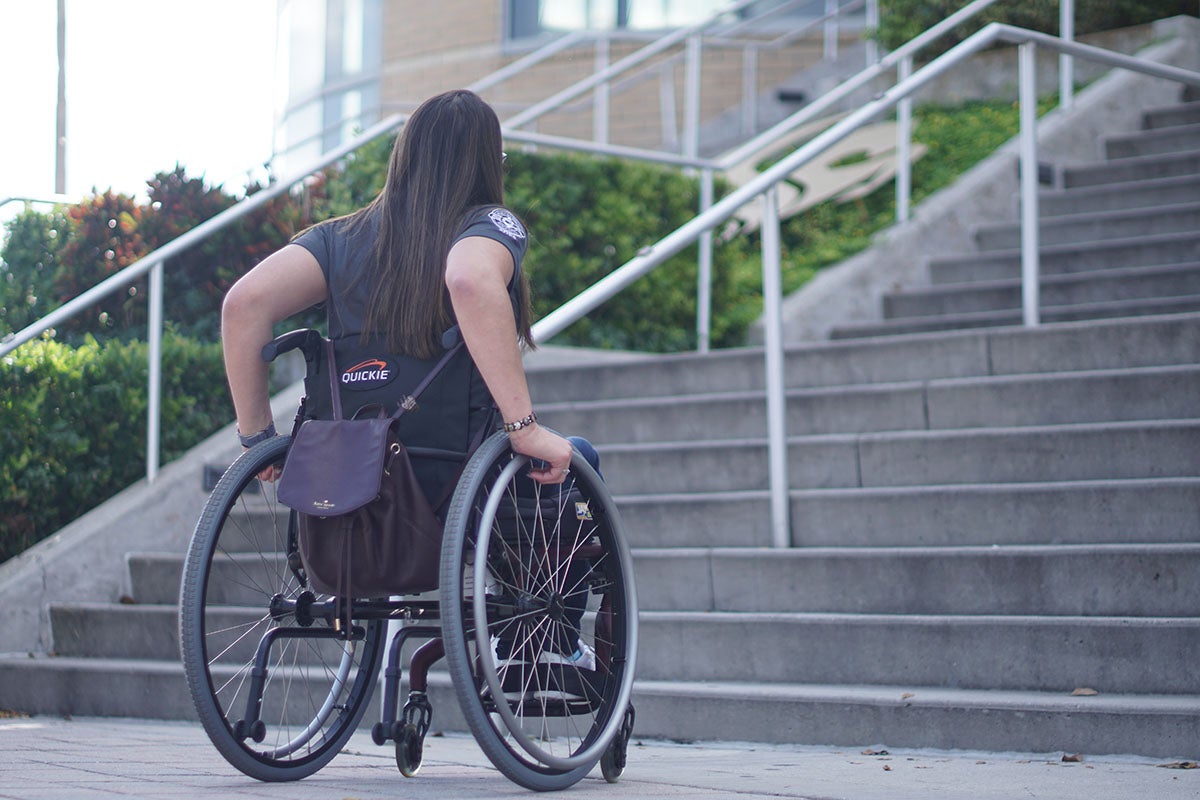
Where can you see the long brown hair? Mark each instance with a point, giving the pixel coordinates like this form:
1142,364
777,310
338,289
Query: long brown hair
446,161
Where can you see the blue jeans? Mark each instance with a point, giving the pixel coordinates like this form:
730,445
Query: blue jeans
587,451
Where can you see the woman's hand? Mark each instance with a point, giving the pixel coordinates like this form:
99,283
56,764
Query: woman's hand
548,447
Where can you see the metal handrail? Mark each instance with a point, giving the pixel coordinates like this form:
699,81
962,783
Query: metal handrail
651,257
152,263
49,200
827,100
632,60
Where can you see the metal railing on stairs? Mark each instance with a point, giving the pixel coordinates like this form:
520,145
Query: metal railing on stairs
762,188
152,263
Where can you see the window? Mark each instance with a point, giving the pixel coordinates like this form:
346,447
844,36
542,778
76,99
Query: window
529,18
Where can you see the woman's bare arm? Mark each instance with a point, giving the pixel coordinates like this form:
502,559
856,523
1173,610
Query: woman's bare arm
285,283
478,270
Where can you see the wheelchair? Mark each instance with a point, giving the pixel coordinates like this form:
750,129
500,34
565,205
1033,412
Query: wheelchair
280,682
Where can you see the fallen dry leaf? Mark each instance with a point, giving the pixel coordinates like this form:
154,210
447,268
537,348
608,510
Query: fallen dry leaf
1072,759
1084,691
906,695
887,768
870,752
1181,765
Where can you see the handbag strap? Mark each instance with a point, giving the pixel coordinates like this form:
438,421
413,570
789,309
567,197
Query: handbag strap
407,403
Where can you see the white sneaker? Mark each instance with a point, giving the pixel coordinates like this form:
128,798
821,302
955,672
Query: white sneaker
584,657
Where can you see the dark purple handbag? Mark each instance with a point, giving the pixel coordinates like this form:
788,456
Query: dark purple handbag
366,527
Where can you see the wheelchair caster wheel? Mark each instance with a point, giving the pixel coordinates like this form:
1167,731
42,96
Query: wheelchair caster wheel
256,730
612,763
410,747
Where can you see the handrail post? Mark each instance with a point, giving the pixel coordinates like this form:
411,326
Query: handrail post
666,108
704,269
1066,63
600,100
831,29
903,144
154,324
873,27
776,402
749,89
1027,103
691,132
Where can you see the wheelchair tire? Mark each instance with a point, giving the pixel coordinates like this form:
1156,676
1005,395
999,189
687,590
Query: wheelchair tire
554,571
237,585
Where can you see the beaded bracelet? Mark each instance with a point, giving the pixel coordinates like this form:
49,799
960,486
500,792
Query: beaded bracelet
513,427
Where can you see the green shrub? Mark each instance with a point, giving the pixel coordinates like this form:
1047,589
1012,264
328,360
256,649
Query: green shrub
588,216
29,263
51,258
73,425
901,20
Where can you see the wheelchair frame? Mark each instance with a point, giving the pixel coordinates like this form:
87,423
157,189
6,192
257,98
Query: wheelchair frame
280,684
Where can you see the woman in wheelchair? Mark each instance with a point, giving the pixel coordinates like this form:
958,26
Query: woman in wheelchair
436,248
536,609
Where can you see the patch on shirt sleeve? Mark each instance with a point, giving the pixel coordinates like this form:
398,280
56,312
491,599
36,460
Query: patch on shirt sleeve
508,224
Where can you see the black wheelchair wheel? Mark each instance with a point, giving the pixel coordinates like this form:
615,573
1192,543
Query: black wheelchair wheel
288,716
539,616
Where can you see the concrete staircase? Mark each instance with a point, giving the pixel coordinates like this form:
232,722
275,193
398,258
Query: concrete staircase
1120,238
985,520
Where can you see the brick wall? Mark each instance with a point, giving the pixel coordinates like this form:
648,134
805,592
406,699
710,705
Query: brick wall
430,48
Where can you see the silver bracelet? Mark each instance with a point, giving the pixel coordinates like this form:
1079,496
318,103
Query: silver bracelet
513,427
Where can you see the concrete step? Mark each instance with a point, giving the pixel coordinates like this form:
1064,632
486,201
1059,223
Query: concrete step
1053,399
805,366
151,631
147,689
960,649
1120,196
1033,653
910,716
1126,580
1141,168
998,401
1137,251
154,578
1175,139
986,455
95,687
1111,450
115,631
886,359
1094,344
1171,116
1055,291
895,715
1094,226
1161,510
1085,312
897,406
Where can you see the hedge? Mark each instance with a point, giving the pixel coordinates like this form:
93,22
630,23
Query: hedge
902,20
73,425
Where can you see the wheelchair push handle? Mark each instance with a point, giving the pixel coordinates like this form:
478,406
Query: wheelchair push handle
306,339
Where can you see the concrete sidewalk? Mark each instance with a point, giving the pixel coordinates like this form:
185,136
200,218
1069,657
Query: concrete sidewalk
46,758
